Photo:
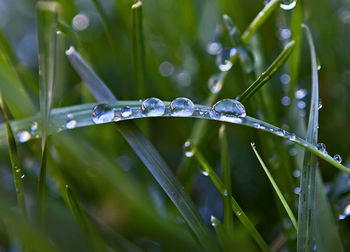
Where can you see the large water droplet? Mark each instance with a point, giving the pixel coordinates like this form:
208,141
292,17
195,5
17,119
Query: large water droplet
228,109
338,158
288,4
23,136
223,59
188,149
182,107
153,107
247,59
102,113
215,83
71,124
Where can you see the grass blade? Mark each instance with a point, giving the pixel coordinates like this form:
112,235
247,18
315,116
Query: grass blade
269,72
226,177
235,207
138,52
16,166
47,19
148,155
275,187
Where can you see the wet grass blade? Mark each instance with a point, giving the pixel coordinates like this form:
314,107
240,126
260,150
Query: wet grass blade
269,72
15,163
82,219
306,230
148,155
138,52
47,19
275,187
207,169
226,177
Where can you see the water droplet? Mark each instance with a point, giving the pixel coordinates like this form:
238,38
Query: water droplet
247,59
300,94
205,173
215,83
188,149
345,213
18,170
301,104
71,124
213,221
225,192
285,79
166,69
314,247
297,190
153,107
34,126
80,22
182,107
338,158
23,136
285,34
214,48
183,79
126,111
252,144
70,116
238,213
223,59
229,110
102,113
285,100
292,137
322,147
320,104
231,27
288,4
296,173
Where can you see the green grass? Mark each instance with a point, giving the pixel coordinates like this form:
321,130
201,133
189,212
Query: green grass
68,183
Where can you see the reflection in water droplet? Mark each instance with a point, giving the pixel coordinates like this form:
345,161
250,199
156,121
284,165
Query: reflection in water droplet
214,48
102,113
188,149
288,4
23,136
338,158
223,59
215,83
71,124
153,107
182,106
228,110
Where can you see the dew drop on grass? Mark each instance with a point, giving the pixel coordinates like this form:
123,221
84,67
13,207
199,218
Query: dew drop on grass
285,79
297,190
205,173
225,192
285,100
153,107
102,113
338,158
300,93
181,106
228,110
71,124
345,213
288,4
322,147
296,173
214,48
23,136
320,104
213,221
126,111
188,149
223,59
215,83
34,126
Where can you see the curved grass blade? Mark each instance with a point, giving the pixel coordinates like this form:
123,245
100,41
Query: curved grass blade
81,217
234,205
275,186
15,163
47,19
148,155
82,115
269,72
306,230
138,52
226,177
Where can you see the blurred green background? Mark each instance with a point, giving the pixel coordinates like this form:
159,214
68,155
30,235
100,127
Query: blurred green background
126,206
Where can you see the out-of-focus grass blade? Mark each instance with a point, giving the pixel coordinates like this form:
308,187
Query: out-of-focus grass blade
226,177
235,207
6,47
149,156
19,228
267,75
275,186
306,219
16,166
83,221
138,52
220,231
47,19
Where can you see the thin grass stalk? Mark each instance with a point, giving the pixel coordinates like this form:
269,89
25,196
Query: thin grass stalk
275,187
226,177
15,163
